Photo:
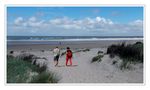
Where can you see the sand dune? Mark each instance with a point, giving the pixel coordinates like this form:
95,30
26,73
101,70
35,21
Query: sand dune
83,71
103,72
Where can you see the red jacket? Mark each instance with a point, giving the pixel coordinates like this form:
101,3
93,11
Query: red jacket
69,54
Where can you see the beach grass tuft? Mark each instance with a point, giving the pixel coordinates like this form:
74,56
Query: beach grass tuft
42,69
85,50
26,57
133,52
97,58
45,77
130,53
19,70
125,64
114,62
82,50
100,52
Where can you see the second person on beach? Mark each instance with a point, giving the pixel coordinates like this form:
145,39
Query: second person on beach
68,56
56,53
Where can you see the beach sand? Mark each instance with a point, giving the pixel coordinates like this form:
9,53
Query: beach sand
83,71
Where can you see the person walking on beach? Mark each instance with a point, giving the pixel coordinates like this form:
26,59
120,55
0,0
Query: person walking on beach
68,56
56,53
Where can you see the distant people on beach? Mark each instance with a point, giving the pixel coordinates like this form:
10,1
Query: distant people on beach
59,43
68,56
56,53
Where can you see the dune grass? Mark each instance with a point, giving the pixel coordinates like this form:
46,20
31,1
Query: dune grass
19,69
85,50
45,77
97,58
130,53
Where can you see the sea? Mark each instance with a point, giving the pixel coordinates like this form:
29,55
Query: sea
60,39
70,38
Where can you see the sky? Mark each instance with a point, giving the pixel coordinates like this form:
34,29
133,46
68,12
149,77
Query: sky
75,21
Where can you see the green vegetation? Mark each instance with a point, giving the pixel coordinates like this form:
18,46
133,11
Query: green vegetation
125,64
82,50
17,70
131,53
26,57
114,62
97,58
45,77
20,70
85,50
100,52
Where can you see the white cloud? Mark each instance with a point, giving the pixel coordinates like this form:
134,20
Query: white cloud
98,19
18,21
36,24
31,22
137,23
32,19
96,26
103,20
55,21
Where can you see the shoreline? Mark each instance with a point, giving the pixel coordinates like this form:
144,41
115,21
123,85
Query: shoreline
79,39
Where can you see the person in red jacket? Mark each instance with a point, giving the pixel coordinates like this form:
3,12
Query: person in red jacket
68,56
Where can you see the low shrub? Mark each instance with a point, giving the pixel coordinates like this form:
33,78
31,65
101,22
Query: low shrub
100,52
97,58
26,57
42,69
45,77
131,53
84,50
19,69
10,57
114,62
125,64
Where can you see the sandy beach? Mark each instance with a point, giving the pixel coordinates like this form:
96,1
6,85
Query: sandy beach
83,71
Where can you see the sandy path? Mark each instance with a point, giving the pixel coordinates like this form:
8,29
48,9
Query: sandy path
85,72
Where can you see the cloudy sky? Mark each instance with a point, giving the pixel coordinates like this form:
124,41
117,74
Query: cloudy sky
75,21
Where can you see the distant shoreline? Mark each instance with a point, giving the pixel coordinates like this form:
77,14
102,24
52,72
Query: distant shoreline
69,38
88,39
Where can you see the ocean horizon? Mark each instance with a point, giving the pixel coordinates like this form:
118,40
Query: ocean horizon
71,38
58,40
